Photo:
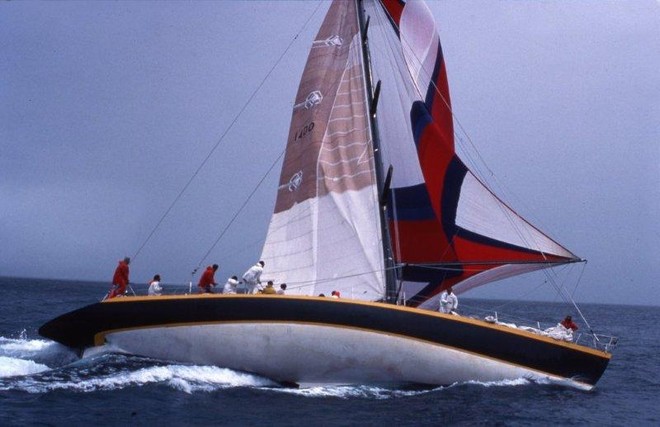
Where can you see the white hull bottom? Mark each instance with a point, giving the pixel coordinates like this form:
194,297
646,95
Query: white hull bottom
313,354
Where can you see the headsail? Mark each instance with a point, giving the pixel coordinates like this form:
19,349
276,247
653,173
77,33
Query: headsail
447,228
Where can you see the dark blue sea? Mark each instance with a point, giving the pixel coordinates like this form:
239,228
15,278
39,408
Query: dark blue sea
43,383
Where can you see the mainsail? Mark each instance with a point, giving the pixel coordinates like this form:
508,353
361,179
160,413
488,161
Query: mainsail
446,227
324,234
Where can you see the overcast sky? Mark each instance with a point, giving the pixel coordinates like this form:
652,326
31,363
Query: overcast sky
108,108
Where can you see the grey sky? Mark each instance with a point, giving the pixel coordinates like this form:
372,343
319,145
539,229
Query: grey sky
107,109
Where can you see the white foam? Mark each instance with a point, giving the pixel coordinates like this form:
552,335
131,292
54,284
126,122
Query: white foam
353,391
501,383
373,392
18,347
185,378
541,380
42,352
98,351
11,367
188,379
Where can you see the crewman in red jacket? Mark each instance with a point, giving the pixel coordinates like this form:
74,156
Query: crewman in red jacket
120,279
568,323
207,280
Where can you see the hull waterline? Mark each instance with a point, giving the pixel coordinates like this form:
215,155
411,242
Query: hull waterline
321,340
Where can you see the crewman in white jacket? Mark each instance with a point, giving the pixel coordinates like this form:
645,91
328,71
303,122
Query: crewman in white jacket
252,277
154,286
448,302
230,286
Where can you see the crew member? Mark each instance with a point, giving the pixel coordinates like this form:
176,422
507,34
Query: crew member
230,285
448,302
568,323
269,289
252,277
207,280
154,286
120,279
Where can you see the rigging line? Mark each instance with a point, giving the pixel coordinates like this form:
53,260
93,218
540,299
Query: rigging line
222,137
579,280
554,276
247,200
569,298
572,301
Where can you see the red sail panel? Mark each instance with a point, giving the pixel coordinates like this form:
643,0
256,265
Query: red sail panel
394,8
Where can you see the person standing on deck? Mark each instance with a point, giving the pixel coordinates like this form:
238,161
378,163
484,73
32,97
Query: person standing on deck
448,302
207,280
252,277
120,278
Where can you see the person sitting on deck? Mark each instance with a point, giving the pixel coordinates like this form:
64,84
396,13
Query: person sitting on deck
568,324
448,302
282,289
335,294
230,286
269,289
154,286
207,280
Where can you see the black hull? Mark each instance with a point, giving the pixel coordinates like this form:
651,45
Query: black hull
88,327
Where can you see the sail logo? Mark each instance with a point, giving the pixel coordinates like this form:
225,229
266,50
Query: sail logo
295,181
313,99
330,41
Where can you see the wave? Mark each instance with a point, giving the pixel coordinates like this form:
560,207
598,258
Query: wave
41,366
11,367
22,356
189,379
506,383
356,391
377,392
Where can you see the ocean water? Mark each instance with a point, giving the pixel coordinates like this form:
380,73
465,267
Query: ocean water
44,383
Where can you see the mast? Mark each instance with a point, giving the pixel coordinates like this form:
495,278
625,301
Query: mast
372,100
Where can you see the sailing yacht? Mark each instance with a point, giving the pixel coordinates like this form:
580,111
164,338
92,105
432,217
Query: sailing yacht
374,203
